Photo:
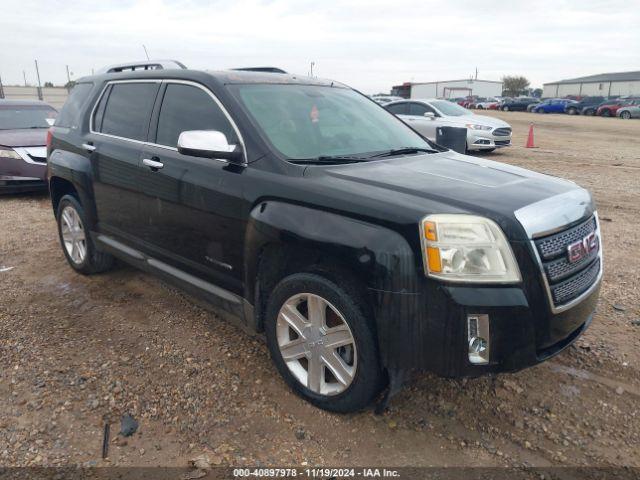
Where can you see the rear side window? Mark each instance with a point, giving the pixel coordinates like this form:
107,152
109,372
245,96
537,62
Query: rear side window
186,107
128,110
69,116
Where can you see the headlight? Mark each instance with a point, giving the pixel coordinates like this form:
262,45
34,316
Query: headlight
8,153
474,126
467,248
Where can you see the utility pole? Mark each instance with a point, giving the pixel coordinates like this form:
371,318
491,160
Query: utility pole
145,51
24,74
39,85
68,75
311,70
1,89
476,73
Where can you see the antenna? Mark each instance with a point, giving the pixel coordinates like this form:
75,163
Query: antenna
145,51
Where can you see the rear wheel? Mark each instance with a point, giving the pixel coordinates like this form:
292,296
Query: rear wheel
572,111
322,344
505,108
589,111
75,239
625,115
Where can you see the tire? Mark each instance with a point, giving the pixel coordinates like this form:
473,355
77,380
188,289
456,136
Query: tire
505,108
625,115
589,111
75,240
605,113
572,111
360,368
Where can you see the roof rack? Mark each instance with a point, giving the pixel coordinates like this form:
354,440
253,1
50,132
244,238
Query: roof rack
143,65
261,69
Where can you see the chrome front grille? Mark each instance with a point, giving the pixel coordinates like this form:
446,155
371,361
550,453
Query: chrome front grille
568,280
555,245
502,132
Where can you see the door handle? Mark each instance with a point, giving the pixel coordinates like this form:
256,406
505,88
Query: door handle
152,164
88,147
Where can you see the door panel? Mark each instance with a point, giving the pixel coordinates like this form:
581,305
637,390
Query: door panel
193,215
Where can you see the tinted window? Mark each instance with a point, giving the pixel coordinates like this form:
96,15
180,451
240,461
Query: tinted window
399,108
185,107
419,109
99,113
70,114
128,110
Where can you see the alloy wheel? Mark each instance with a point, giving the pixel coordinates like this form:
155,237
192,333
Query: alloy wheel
73,235
316,344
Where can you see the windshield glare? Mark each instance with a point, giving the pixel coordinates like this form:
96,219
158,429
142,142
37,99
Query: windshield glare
307,122
17,117
450,108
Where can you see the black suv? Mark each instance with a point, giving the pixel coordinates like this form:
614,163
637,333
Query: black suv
310,213
586,106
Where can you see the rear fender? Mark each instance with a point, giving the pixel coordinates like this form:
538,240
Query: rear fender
76,169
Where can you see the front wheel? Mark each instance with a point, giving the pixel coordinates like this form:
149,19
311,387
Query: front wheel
605,113
572,111
322,343
505,109
78,248
625,115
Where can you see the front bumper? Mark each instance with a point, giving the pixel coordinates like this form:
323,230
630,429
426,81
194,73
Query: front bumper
429,329
486,140
22,174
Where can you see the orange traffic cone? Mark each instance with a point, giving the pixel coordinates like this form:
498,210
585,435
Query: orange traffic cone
530,138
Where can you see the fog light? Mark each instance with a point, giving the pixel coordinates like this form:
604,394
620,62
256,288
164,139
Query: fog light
478,338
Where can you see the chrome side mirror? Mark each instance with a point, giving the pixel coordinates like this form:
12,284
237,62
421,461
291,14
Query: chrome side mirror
209,144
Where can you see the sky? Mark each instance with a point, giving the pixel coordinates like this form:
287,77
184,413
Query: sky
369,45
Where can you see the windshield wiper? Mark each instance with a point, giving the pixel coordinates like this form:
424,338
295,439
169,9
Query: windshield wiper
403,151
329,159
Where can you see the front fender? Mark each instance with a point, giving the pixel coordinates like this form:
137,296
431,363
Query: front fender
374,252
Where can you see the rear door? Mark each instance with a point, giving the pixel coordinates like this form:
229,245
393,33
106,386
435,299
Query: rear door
192,208
120,126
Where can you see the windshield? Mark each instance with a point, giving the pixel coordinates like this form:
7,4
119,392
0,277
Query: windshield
450,108
308,122
25,116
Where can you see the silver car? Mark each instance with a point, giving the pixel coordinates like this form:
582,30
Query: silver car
631,111
426,115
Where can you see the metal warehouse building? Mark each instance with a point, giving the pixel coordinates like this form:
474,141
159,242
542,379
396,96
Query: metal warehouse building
604,84
449,89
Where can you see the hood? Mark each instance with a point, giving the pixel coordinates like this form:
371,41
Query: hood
30,137
478,119
415,186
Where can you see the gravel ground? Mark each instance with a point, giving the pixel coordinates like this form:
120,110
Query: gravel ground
78,352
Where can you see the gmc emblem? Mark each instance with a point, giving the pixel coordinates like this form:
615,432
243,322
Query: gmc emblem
580,249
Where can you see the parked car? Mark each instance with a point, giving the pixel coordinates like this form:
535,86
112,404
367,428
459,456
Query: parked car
384,99
609,109
487,104
553,105
629,112
517,104
23,133
425,116
304,210
584,105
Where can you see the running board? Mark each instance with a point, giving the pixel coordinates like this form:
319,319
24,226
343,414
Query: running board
139,259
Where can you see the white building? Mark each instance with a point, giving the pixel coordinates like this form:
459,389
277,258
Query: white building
449,89
602,85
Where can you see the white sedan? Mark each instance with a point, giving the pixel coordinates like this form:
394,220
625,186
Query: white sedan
425,116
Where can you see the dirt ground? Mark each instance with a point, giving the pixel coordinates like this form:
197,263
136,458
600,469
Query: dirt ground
76,352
